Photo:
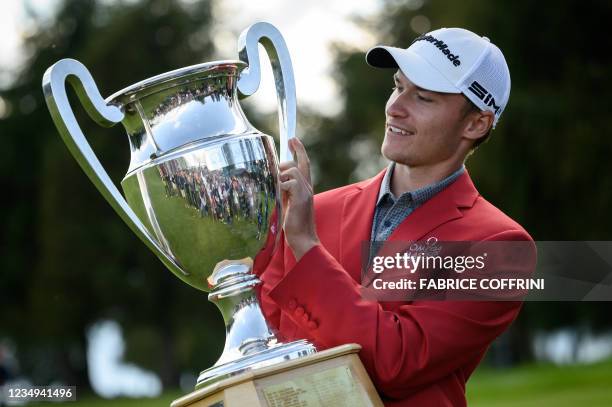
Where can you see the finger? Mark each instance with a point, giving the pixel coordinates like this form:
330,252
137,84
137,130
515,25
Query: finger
285,165
295,174
291,173
289,185
303,162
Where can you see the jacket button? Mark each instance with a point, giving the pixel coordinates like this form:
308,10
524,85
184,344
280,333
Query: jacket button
312,325
292,304
299,311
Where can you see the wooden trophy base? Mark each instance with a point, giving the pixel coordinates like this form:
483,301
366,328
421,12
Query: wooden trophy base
333,377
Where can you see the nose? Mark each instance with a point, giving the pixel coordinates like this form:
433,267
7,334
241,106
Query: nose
397,105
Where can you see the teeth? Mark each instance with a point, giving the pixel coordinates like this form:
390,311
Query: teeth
397,130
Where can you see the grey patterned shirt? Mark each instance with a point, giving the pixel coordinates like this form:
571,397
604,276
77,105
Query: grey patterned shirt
391,211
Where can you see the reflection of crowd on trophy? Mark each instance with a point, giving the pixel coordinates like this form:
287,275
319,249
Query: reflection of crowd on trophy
224,195
215,88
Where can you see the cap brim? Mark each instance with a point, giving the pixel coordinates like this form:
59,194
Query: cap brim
416,68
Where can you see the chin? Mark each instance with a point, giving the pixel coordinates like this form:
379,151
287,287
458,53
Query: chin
398,157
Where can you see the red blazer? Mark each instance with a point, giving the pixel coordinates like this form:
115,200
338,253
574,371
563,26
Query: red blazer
418,353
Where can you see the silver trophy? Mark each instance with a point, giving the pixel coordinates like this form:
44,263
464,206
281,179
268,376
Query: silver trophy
201,189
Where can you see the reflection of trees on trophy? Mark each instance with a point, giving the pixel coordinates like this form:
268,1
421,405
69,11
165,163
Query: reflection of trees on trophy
216,91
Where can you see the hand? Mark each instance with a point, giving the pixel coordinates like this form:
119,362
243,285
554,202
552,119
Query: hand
297,196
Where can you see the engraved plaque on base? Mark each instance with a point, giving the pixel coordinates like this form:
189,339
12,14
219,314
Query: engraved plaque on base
333,377
332,387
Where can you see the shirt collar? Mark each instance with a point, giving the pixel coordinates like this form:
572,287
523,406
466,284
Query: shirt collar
419,195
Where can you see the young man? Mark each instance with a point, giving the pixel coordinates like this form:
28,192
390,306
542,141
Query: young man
451,87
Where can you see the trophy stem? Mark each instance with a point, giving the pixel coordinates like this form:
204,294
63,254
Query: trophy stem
249,342
245,326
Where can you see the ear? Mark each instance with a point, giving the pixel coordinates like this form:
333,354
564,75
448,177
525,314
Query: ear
477,124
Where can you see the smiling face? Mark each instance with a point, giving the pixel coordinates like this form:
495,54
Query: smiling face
424,128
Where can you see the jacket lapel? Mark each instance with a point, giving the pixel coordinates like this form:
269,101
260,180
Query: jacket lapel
442,208
358,215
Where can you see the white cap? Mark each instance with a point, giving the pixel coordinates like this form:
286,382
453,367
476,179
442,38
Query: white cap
452,60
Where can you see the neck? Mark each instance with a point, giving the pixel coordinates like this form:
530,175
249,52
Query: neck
410,178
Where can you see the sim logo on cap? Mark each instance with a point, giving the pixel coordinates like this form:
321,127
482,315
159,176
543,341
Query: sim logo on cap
483,95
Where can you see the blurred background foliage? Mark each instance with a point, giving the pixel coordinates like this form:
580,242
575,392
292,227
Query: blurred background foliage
67,260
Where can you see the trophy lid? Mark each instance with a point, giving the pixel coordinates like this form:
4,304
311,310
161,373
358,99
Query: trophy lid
174,78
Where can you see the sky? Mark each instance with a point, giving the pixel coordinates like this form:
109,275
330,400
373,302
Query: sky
301,24
309,29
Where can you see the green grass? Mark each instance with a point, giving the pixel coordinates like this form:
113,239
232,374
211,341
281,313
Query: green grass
525,386
543,385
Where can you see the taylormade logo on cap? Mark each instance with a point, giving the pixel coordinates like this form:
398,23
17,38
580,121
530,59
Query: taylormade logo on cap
441,46
452,60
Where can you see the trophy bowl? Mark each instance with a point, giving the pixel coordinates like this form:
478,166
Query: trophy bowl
201,190
202,179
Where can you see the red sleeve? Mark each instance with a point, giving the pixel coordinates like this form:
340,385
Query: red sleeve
416,345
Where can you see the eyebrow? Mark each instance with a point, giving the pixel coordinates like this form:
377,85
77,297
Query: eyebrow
420,89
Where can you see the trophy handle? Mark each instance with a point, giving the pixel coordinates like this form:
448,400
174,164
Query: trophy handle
277,51
54,88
